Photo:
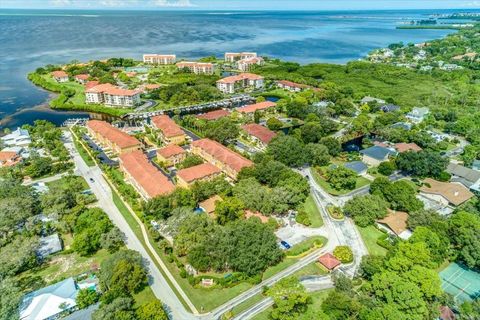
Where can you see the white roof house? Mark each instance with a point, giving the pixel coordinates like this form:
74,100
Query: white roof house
18,138
417,114
50,301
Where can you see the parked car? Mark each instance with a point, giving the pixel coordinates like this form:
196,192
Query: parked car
91,180
285,244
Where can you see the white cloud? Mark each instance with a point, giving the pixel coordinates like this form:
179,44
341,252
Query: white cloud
473,4
61,3
173,3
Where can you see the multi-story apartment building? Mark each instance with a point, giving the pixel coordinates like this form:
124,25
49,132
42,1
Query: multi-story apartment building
169,131
171,155
60,76
197,67
110,95
241,81
245,65
235,56
220,156
202,172
259,134
159,58
143,176
110,137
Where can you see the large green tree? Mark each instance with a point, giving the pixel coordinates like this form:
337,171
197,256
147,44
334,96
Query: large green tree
290,299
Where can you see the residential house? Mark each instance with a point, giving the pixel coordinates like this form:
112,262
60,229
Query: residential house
214,115
389,108
49,245
50,302
143,176
375,155
208,206
159,58
171,155
445,193
396,223
358,166
60,76
170,132
18,138
402,125
111,95
468,177
418,114
404,147
220,156
291,86
9,158
112,138
259,134
261,106
367,99
245,65
329,261
202,172
241,81
236,56
197,67
82,78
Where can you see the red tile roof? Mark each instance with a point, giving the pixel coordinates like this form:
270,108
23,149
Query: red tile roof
9,158
110,89
329,261
403,147
168,127
91,84
152,86
249,214
114,135
214,115
59,74
240,77
293,84
170,151
260,132
257,106
149,178
201,171
82,76
223,154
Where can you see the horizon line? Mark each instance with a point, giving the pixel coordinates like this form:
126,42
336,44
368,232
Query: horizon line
227,10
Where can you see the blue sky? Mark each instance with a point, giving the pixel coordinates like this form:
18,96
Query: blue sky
241,4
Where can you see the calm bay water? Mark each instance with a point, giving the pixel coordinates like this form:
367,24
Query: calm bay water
30,39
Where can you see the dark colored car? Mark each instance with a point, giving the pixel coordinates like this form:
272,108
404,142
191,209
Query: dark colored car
91,180
285,244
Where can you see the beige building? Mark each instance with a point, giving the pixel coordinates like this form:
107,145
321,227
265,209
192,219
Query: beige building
60,76
245,65
112,138
445,193
110,95
230,162
239,82
159,58
169,131
197,67
236,56
171,155
203,172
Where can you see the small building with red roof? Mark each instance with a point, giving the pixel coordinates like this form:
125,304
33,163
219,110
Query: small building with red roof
169,131
110,137
404,147
214,115
232,84
202,172
259,134
82,78
60,76
230,162
143,176
251,108
329,261
171,155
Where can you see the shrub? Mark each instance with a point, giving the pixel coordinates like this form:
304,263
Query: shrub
335,212
387,168
343,253
302,218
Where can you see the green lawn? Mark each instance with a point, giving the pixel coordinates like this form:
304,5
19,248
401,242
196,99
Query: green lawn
313,269
83,153
370,235
313,214
306,245
279,267
144,296
361,182
247,304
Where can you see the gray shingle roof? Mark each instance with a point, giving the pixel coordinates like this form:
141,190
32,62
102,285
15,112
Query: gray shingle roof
49,245
357,166
468,176
378,152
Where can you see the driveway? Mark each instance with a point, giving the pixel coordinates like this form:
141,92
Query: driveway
297,233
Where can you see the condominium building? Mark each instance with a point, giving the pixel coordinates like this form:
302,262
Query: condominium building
159,58
143,176
291,86
241,81
171,155
230,162
236,56
259,134
60,76
111,95
197,67
169,131
245,65
261,106
110,137
202,172
82,78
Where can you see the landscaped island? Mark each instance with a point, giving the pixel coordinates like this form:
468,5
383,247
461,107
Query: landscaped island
225,197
